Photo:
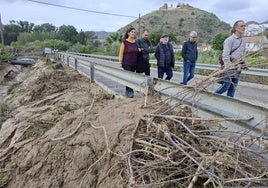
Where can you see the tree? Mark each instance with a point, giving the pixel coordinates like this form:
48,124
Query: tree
112,43
46,27
25,26
12,30
11,33
218,40
113,37
57,44
90,37
67,33
24,37
155,36
81,37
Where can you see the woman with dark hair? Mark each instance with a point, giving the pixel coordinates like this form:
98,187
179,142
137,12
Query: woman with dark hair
234,49
128,55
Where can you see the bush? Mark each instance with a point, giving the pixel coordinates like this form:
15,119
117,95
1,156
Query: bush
4,55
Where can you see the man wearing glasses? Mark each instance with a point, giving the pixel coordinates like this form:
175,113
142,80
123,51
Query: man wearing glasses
234,49
190,54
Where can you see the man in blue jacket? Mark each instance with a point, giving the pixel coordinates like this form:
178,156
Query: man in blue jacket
190,54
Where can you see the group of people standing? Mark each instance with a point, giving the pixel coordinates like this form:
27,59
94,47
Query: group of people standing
134,55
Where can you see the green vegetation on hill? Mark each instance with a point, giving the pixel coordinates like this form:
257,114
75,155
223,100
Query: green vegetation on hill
22,36
180,21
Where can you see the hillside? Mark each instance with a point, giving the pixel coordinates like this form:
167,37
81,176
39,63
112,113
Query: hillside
180,21
102,35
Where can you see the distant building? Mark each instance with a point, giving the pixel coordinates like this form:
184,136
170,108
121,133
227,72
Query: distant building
255,43
166,7
204,47
254,28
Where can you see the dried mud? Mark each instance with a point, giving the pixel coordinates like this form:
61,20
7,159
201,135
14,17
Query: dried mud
58,128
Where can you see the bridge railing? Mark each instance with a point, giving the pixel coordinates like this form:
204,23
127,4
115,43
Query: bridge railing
252,71
234,114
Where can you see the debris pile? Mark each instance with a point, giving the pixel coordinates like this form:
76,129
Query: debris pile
177,149
60,130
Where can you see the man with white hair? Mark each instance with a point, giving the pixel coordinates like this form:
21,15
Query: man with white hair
190,54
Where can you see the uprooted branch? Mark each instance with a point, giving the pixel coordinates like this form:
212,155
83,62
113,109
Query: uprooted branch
170,152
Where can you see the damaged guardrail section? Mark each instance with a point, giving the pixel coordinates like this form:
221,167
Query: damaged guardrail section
236,115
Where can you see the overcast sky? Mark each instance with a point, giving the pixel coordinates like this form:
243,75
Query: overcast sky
118,13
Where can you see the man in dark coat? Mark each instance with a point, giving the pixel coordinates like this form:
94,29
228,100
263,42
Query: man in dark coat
190,54
143,65
164,54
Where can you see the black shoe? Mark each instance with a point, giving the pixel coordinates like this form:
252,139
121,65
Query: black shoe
131,94
127,94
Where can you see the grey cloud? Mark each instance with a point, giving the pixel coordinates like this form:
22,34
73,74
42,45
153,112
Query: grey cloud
232,5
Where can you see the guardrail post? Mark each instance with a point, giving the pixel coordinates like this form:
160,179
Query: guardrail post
92,72
75,64
58,56
150,81
68,60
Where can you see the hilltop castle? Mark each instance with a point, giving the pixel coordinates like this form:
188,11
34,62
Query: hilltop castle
180,5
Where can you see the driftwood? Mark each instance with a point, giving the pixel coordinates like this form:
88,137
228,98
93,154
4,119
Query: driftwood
215,76
170,153
178,149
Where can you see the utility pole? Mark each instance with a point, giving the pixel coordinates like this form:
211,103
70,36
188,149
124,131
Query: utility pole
1,31
139,25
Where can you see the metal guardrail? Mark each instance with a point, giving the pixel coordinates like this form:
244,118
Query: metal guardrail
235,115
252,71
29,54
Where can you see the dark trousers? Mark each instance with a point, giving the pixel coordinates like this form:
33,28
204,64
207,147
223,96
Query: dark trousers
147,68
144,67
132,69
162,70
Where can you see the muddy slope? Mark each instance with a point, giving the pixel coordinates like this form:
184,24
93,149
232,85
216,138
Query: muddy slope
58,128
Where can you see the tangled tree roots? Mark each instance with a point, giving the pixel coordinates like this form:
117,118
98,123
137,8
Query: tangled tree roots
171,151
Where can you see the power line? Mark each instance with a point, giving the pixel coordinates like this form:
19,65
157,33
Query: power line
85,10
